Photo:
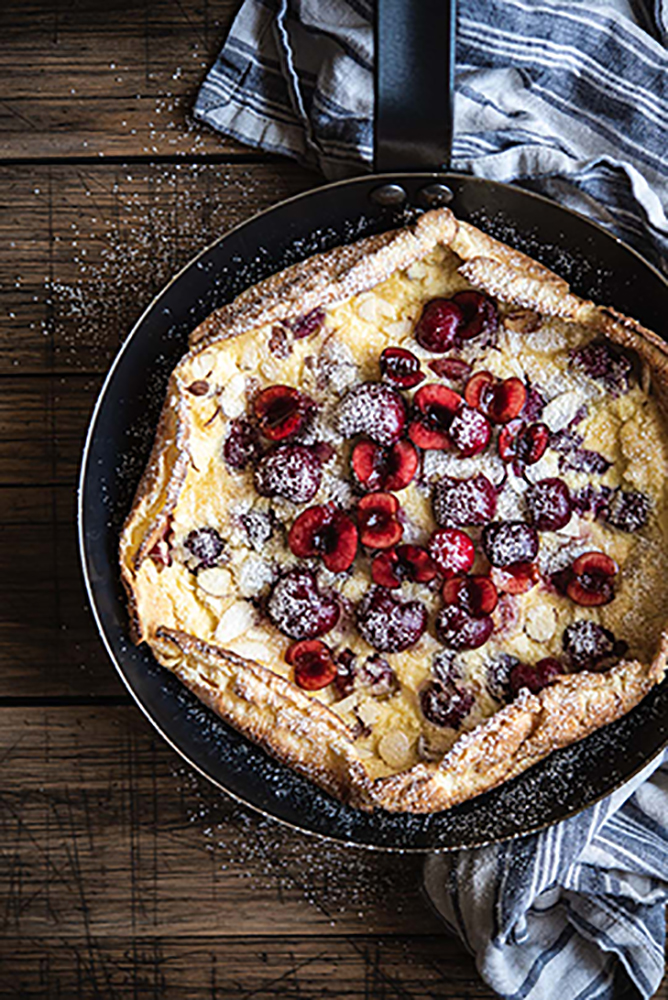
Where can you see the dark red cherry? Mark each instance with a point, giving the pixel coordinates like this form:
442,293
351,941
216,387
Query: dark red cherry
479,388
439,325
601,361
406,562
590,646
469,432
313,663
550,505
475,594
206,545
389,624
384,469
401,367
282,411
464,501
307,325
591,581
627,511
445,705
374,409
454,369
479,315
509,542
242,446
459,630
534,677
298,608
379,527
327,532
452,550
290,471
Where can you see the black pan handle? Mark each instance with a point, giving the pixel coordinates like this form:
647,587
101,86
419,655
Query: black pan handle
414,77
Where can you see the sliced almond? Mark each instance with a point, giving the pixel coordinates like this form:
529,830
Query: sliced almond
215,581
540,623
560,411
395,748
238,618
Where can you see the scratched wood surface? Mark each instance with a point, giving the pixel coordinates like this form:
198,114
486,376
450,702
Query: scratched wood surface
123,873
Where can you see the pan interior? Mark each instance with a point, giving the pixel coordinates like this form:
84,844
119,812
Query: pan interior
119,440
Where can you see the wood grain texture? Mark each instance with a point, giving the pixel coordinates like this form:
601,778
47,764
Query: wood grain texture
86,79
354,968
85,248
107,833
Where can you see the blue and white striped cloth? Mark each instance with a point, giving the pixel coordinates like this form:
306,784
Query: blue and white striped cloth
572,99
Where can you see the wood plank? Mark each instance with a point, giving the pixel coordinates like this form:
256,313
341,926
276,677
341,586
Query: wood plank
354,968
83,249
77,79
49,645
106,833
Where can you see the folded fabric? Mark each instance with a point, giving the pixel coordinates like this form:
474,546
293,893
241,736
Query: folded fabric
570,99
576,911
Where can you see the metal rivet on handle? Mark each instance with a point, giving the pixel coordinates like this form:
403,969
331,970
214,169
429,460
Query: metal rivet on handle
389,195
434,195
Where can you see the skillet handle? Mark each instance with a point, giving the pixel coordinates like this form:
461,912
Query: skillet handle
415,82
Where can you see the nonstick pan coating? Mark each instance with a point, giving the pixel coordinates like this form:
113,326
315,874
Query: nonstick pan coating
121,432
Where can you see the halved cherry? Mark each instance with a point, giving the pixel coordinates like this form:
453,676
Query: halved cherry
535,677
452,550
591,580
401,367
459,630
477,595
379,527
307,325
479,315
327,532
469,432
281,411
478,388
515,579
426,438
532,443
437,402
377,468
406,562
313,663
507,400
438,327
455,369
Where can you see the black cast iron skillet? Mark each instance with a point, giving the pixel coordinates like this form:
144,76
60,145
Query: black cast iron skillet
124,420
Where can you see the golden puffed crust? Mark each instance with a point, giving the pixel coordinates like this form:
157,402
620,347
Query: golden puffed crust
271,710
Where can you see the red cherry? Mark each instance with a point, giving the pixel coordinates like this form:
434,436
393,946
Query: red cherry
307,325
507,400
327,532
313,663
475,594
591,581
401,367
426,438
455,369
535,677
515,579
452,550
407,562
438,326
478,388
458,630
479,315
379,527
469,432
282,411
384,469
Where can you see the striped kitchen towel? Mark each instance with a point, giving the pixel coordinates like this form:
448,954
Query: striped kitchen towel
571,99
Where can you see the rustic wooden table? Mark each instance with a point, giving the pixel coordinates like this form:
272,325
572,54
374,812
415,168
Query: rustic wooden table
123,873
